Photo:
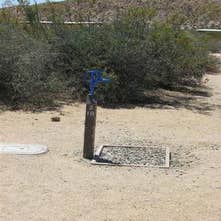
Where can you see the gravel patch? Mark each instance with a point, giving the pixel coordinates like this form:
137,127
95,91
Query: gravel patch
131,155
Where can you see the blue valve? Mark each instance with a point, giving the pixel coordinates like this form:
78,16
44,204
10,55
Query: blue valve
95,78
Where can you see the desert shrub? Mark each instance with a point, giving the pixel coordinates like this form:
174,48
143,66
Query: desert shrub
25,76
143,57
76,51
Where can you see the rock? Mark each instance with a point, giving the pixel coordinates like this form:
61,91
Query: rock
55,119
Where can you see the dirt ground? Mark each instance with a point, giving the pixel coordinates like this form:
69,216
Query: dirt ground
60,186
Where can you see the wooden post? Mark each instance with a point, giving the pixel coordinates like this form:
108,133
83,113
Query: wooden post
90,124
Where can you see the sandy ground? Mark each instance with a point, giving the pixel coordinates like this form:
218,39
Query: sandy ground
60,186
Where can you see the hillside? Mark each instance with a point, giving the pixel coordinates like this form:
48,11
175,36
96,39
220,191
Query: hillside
203,13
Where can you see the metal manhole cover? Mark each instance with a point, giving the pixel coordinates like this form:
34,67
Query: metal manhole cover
22,149
132,156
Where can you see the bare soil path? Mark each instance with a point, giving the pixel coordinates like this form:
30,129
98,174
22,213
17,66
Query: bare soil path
59,186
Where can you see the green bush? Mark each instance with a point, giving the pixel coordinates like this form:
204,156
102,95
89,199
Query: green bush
25,75
76,51
146,57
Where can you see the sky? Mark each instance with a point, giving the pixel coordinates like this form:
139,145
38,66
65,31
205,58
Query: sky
14,2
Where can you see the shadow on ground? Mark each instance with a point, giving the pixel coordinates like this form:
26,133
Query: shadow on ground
196,99
55,106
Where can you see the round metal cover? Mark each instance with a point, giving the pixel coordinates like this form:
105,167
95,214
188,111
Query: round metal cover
23,149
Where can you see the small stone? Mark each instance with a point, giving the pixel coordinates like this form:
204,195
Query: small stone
55,119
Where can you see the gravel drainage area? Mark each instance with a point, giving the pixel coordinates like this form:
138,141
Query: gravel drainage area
147,156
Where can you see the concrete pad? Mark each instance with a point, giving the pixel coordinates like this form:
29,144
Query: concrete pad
22,149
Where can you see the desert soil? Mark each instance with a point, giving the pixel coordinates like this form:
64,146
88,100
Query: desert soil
60,186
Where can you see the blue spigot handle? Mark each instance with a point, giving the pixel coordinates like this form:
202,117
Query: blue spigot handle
95,78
